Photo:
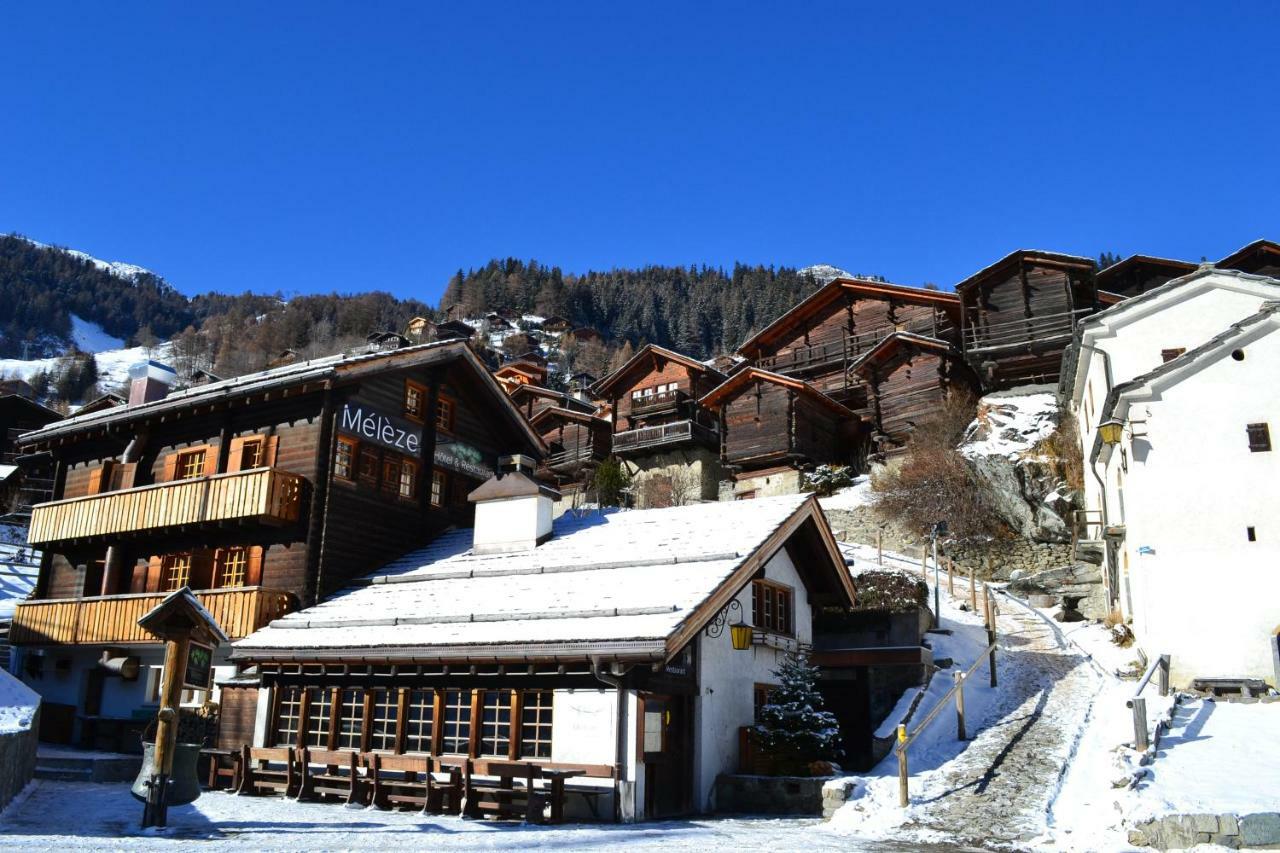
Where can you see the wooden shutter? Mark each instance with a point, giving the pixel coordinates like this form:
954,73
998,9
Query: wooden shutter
201,569
138,578
237,450
253,571
170,468
97,477
210,460
154,567
269,451
122,475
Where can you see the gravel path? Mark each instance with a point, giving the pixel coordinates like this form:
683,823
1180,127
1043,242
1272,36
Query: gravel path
997,792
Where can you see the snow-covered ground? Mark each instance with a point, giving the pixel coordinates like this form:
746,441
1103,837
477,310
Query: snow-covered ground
90,337
84,816
18,704
850,497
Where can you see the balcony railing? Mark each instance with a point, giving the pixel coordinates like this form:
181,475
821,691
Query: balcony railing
654,436
1022,331
660,402
263,494
114,618
848,348
572,456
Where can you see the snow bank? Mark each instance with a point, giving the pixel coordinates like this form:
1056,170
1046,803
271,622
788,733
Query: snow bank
1011,423
850,497
18,704
90,337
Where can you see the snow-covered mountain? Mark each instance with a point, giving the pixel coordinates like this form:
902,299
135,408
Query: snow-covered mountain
128,272
824,273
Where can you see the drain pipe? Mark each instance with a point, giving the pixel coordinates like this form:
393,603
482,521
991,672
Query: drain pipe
1112,594
114,557
613,678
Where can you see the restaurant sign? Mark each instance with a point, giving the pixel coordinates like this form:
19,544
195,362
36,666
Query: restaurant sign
394,433
463,459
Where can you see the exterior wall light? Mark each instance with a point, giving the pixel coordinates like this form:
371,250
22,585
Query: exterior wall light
741,636
1111,431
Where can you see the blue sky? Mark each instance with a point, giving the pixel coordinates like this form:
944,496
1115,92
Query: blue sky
323,146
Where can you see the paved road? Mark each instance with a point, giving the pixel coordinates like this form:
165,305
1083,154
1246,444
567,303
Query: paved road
998,791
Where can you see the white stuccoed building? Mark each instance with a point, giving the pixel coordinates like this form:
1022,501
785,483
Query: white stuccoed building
1181,469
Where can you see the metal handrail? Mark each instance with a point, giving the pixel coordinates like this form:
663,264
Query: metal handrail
1137,704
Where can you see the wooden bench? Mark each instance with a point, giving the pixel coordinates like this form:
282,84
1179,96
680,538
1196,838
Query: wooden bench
267,769
415,780
504,789
222,764
322,774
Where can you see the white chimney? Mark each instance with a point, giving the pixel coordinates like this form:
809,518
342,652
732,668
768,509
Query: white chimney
513,511
149,381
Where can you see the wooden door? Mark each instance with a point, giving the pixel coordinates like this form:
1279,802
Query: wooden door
667,755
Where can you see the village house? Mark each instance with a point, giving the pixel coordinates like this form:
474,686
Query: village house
1114,347
1189,469
21,485
1020,312
262,493
667,439
629,649
531,399
1137,274
577,442
1261,257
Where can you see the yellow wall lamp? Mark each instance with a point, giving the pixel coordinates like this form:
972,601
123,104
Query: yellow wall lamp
1111,431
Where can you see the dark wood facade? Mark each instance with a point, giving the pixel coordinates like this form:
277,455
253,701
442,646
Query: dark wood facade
292,483
767,419
1020,313
1138,274
531,399
575,441
910,378
1261,257
654,399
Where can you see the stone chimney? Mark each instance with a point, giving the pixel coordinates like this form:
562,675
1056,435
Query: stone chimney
149,381
513,511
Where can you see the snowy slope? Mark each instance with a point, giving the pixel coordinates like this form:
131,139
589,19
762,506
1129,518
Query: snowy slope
128,272
90,337
113,365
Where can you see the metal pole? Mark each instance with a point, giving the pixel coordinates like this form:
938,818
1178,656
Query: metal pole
1139,706
1164,675
880,548
959,705
951,577
903,799
937,589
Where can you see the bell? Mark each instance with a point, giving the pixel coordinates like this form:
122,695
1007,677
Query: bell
184,783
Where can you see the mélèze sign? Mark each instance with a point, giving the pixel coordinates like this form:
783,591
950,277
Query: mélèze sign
394,433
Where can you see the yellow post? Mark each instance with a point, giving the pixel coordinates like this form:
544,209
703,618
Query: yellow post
903,799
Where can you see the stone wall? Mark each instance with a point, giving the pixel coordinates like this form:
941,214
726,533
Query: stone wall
793,795
1177,832
697,470
785,481
17,760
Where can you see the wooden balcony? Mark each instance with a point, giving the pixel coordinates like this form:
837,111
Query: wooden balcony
265,495
679,432
826,357
114,618
1046,329
664,401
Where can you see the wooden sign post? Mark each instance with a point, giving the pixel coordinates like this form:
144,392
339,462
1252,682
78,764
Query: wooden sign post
184,625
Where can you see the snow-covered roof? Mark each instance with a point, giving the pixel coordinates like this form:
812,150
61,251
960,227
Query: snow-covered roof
620,584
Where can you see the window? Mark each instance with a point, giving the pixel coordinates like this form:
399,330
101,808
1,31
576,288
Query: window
351,718
252,453
437,488
771,607
1170,354
386,713
190,464
319,709
1251,534
760,697
408,479
344,458
232,565
367,471
415,401
495,724
390,473
288,715
1259,438
177,571
444,414
457,722
535,724
419,720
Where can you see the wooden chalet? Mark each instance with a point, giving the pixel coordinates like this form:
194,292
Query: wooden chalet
819,338
575,652
586,334
31,481
556,324
497,322
516,373
102,403
17,387
1138,274
1020,312
576,441
531,399
769,420
521,342
1261,257
454,330
910,378
654,397
260,493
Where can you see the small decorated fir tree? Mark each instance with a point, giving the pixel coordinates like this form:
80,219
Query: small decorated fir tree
793,726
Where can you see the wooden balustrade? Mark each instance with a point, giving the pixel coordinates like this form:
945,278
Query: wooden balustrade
114,618
264,494
672,433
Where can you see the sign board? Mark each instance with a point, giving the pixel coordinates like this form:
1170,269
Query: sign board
462,458
199,667
366,424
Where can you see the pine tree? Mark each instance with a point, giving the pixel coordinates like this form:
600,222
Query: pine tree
793,726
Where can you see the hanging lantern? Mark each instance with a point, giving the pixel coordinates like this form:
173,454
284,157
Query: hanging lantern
741,636
1111,431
